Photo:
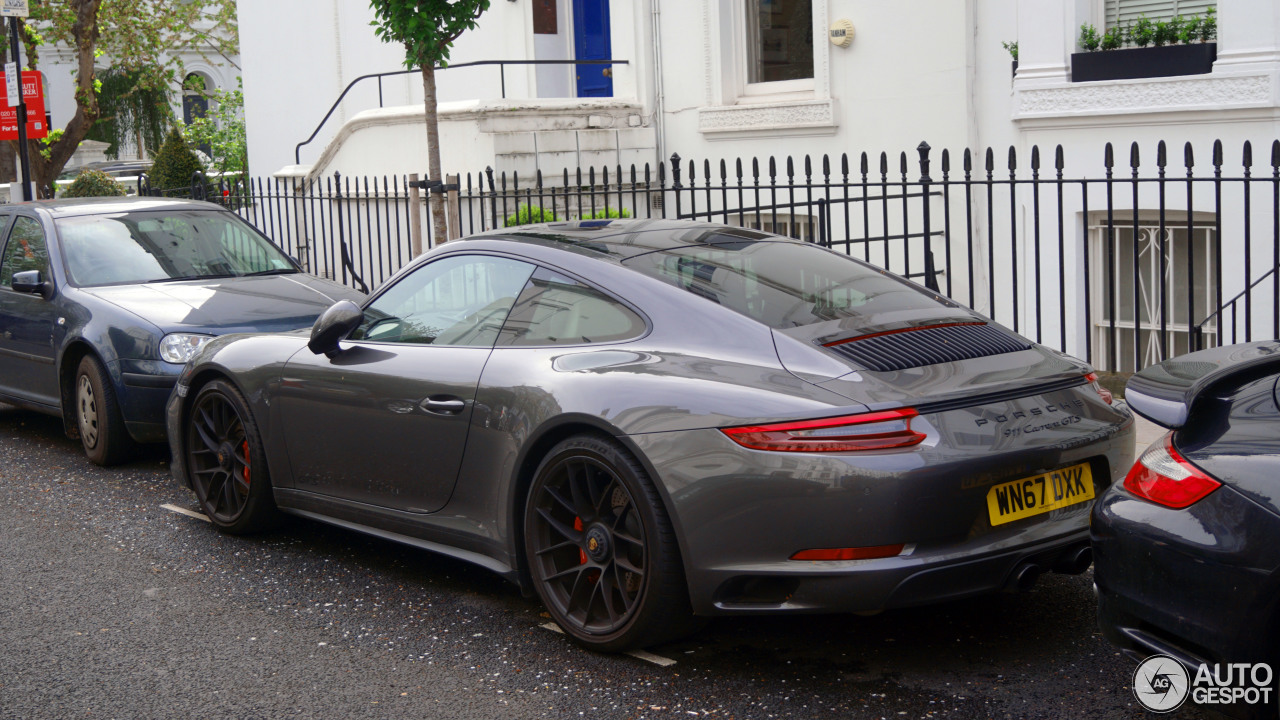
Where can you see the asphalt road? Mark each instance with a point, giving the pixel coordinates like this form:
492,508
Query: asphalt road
112,606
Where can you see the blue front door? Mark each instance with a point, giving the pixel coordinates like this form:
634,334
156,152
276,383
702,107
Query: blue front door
591,42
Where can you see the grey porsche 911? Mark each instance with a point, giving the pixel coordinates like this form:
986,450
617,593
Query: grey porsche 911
648,422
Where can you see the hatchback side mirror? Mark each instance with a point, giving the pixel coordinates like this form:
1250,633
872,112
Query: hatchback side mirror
29,281
333,326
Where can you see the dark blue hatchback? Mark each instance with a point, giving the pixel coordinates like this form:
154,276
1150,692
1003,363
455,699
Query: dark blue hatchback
103,300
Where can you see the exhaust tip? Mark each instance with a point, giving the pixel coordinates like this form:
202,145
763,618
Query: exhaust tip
1074,562
1024,577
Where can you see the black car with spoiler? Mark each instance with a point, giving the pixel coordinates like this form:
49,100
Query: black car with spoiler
1186,549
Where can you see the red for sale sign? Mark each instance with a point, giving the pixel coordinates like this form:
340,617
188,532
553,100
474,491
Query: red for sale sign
33,96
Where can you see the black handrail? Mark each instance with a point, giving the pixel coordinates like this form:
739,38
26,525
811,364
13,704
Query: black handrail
1197,333
502,64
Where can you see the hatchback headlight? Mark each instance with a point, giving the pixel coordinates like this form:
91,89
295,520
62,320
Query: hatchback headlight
181,347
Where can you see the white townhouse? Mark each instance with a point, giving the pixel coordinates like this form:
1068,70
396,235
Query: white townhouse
718,80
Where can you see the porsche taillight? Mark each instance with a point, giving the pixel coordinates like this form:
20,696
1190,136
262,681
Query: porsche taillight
1164,477
882,430
1105,394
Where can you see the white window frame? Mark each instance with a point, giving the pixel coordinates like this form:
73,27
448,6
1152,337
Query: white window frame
737,108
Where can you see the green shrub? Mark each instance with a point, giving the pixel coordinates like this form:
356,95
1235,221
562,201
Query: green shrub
1113,39
607,214
529,215
1189,30
1142,32
1089,38
93,183
1209,26
175,163
1011,47
1166,32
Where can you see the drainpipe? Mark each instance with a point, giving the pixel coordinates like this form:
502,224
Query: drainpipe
659,117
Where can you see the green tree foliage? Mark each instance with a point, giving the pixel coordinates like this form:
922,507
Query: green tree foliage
427,29
131,111
222,130
132,36
175,164
93,183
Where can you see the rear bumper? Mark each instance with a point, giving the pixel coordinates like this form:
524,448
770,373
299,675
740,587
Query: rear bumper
1189,583
741,514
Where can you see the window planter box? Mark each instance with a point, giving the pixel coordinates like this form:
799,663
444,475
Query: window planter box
1133,63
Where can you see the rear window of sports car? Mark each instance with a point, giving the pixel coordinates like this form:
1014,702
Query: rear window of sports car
783,284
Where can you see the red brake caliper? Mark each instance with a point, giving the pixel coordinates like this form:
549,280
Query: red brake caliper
582,554
246,461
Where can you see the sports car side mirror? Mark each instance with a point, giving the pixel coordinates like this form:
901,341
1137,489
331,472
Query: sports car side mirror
29,281
333,325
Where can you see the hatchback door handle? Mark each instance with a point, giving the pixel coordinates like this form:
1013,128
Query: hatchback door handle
443,405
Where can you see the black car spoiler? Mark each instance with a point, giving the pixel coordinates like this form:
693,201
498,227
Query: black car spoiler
1166,393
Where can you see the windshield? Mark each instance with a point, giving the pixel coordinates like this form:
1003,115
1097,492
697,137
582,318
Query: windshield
142,247
782,284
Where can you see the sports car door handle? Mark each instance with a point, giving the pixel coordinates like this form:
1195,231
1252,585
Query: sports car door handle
443,405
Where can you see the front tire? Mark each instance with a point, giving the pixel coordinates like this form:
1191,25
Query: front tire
601,549
103,435
226,464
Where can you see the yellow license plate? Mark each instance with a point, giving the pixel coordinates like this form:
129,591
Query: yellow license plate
1035,495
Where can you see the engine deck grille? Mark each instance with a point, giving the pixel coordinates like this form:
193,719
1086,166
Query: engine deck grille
929,346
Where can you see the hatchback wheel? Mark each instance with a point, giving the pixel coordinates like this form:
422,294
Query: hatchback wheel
225,461
97,414
601,548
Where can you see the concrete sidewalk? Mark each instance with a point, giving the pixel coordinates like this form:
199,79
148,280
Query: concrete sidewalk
1148,432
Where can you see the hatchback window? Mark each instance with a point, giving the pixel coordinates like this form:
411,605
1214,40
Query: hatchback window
154,247
558,310
782,284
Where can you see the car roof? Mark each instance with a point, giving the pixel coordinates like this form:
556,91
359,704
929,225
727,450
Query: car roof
67,207
623,239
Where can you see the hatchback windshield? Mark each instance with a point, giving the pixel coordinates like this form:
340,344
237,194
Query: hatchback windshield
144,247
782,284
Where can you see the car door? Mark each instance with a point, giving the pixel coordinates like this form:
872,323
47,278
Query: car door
384,422
27,321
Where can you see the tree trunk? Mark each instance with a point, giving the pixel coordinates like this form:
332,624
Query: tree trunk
435,199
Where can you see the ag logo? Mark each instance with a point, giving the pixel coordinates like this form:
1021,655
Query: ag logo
1161,684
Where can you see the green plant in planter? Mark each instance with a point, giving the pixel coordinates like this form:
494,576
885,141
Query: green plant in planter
608,214
1166,32
1189,30
1142,32
1089,38
1012,47
1209,26
93,183
1113,39
529,215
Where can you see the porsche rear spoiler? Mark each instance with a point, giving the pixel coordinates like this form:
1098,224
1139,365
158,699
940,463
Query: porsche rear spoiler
1168,392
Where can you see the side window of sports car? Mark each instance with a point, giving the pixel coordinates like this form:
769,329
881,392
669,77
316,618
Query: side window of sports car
457,300
26,250
558,310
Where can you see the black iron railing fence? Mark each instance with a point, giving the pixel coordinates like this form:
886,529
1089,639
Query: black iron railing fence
1143,262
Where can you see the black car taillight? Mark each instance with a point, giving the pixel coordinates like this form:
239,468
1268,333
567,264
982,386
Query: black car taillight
1164,477
882,430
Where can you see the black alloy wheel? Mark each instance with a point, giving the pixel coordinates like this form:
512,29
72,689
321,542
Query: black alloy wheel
601,549
225,461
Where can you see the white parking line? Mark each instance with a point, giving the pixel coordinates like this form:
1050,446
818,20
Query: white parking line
188,513
637,654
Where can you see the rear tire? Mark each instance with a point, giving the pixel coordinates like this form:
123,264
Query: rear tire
601,549
103,435
225,462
